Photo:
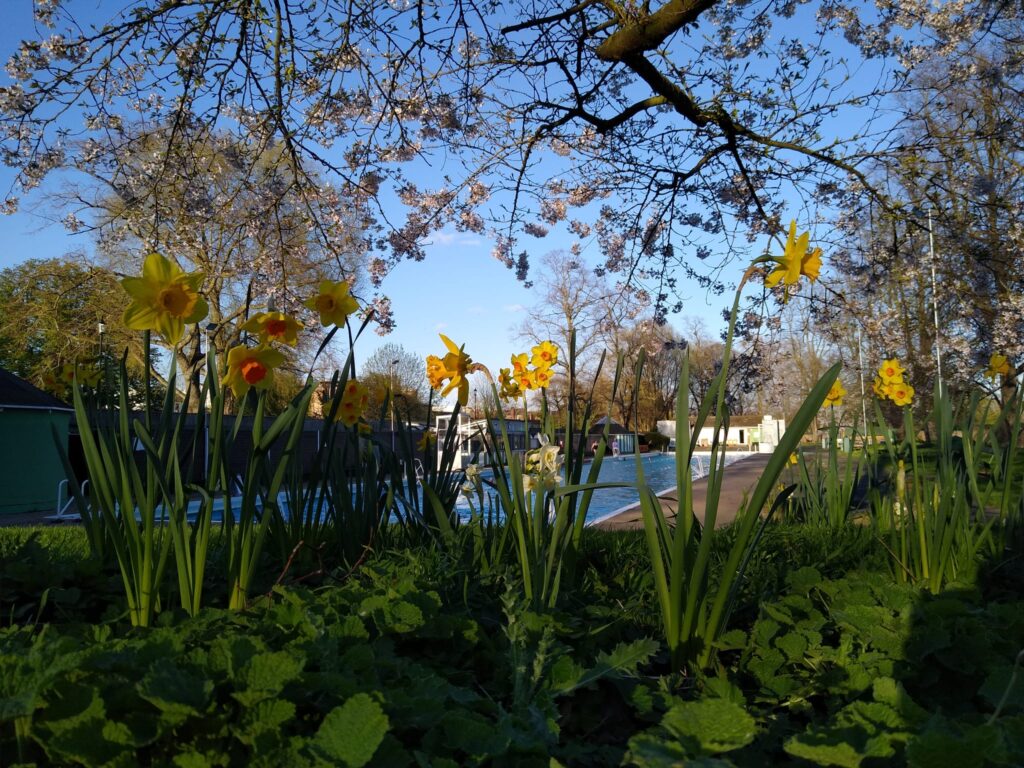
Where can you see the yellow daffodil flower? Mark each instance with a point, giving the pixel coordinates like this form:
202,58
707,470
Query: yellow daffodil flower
519,364
891,372
835,394
901,393
793,458
435,371
333,303
542,377
365,430
509,386
54,383
251,367
164,299
878,387
528,380
354,399
795,261
274,326
545,355
427,441
998,365
454,367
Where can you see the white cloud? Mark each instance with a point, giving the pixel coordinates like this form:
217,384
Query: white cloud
440,327
454,238
514,308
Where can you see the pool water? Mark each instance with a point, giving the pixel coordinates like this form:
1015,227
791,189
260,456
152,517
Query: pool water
659,473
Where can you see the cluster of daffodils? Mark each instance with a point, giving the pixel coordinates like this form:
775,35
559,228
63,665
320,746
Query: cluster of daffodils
889,383
472,486
998,365
354,399
542,470
61,381
165,299
521,377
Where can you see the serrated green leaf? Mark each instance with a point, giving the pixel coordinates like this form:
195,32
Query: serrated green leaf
831,748
351,733
712,725
266,675
803,579
177,693
793,644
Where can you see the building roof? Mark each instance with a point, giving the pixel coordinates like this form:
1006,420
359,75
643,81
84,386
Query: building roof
15,392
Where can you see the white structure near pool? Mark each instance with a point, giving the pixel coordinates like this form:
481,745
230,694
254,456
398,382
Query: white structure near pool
749,432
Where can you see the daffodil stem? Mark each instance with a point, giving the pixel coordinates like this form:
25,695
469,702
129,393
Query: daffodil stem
146,353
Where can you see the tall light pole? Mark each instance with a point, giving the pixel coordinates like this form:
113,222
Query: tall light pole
101,329
391,398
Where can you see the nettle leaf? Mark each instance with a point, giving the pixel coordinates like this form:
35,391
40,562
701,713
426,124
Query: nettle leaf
733,640
831,747
177,693
266,675
803,579
887,691
83,734
351,733
624,659
710,725
720,687
793,644
262,724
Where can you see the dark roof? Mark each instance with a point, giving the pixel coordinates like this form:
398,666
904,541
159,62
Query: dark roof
15,392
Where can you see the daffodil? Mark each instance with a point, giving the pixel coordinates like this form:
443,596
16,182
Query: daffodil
543,467
427,441
901,393
509,386
998,365
354,399
542,377
435,372
453,367
53,382
333,303
878,387
164,299
891,372
835,394
793,458
545,355
528,380
795,261
274,326
251,367
520,363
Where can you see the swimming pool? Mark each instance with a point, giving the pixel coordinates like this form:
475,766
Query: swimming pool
659,473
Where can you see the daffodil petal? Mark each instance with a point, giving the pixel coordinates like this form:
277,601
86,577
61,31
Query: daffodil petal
159,269
140,317
449,343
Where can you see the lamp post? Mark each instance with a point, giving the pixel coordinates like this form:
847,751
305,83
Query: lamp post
391,398
101,329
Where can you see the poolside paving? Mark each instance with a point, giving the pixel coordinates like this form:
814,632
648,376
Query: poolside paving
737,483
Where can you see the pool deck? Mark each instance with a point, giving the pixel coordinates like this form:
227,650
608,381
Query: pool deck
737,483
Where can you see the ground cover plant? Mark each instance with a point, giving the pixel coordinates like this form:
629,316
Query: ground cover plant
345,613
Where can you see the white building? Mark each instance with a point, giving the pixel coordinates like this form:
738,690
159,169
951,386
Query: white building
750,432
